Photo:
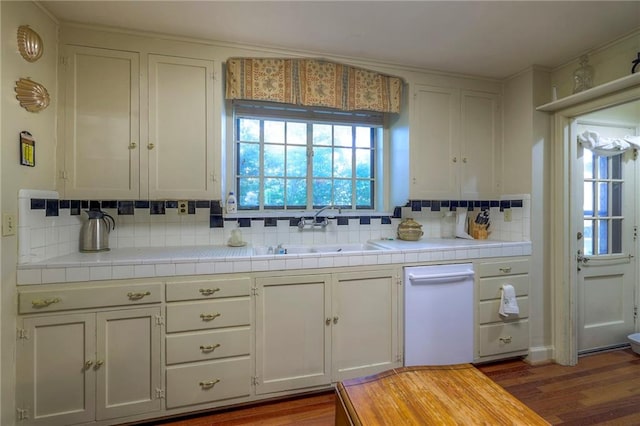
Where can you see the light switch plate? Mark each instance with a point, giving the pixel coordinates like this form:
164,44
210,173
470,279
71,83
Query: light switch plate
9,224
183,207
507,215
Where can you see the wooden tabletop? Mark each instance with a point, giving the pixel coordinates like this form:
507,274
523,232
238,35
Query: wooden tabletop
439,395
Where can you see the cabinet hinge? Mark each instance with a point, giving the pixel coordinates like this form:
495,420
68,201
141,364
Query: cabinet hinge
159,320
635,232
213,177
23,414
63,174
635,313
214,76
398,280
635,153
399,358
22,334
64,60
254,291
159,393
254,381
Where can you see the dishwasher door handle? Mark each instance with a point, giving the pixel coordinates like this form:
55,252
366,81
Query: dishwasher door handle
440,278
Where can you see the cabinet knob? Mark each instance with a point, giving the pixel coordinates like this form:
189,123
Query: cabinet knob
208,291
335,320
138,295
209,317
209,384
133,145
99,364
464,160
150,146
209,348
88,364
328,321
505,339
455,159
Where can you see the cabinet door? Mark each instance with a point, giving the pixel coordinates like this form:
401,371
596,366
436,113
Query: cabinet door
434,143
128,362
365,324
180,146
101,132
481,133
293,338
55,382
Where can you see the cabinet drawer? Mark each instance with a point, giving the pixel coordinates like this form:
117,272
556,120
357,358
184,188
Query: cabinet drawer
199,346
188,316
503,267
207,289
504,337
88,297
212,381
488,311
491,288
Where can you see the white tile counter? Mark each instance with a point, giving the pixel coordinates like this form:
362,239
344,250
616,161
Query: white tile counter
126,263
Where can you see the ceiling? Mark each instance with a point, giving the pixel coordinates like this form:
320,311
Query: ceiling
493,39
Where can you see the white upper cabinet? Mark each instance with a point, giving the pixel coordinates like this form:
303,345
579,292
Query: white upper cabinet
180,128
100,131
137,126
452,151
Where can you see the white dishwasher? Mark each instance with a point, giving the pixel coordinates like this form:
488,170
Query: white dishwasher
438,314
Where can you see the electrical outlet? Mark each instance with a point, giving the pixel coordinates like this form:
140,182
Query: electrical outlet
8,224
507,215
183,207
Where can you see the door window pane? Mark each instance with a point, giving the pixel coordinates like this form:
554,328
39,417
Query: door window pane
588,237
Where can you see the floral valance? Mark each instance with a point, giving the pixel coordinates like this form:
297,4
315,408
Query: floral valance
312,82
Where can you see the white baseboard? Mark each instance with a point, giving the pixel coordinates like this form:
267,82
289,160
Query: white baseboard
540,354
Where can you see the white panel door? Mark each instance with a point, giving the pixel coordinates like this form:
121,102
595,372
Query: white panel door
128,362
55,375
365,324
293,332
101,130
605,219
180,146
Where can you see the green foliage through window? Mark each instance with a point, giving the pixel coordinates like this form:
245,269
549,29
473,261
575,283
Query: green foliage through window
297,164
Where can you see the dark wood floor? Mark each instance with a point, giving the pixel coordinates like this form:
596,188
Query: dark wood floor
603,389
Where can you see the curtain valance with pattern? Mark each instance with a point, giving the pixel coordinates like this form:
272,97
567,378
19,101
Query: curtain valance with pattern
312,82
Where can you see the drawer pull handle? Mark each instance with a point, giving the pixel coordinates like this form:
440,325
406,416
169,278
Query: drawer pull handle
505,270
208,291
43,303
505,339
209,384
209,317
209,348
138,295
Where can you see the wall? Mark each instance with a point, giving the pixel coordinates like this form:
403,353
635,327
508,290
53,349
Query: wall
43,127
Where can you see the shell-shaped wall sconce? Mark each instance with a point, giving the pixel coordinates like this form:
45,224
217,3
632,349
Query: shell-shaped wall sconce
32,96
29,43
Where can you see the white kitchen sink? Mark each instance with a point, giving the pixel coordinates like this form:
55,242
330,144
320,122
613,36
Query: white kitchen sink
317,248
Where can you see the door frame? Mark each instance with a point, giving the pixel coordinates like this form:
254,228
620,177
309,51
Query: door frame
564,245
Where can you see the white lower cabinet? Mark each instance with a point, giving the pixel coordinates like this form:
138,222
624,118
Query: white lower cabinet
312,330
208,341
80,367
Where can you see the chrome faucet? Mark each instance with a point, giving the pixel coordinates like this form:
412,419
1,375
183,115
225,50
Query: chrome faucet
315,216
314,221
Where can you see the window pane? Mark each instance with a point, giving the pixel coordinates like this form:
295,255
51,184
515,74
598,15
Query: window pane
364,194
363,163
248,159
603,199
588,198
603,236
616,199
603,167
587,160
274,131
616,166
363,137
343,136
274,193
588,237
321,192
342,192
322,134
342,162
616,236
296,161
297,133
274,160
297,193
248,130
248,193
322,164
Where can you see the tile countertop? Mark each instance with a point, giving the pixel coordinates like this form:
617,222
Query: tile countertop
127,263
